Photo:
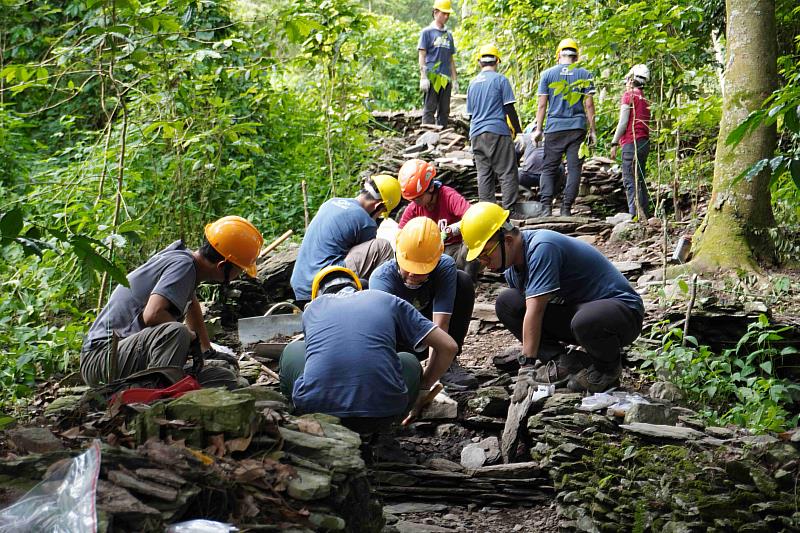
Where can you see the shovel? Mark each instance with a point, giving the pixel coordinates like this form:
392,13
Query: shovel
269,334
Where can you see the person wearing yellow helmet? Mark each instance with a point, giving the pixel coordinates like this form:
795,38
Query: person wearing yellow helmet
437,66
156,320
561,290
343,232
425,277
349,365
490,104
569,123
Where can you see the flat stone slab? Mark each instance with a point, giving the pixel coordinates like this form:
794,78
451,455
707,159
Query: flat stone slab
34,440
404,526
662,432
415,507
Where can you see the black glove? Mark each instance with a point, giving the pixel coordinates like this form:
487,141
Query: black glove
211,353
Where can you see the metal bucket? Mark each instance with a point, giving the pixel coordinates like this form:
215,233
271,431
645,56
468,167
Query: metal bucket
269,334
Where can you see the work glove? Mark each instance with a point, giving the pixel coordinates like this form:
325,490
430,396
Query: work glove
424,398
454,89
537,135
453,230
524,382
211,353
424,84
591,139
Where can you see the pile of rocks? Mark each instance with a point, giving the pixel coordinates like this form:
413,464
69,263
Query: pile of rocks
235,457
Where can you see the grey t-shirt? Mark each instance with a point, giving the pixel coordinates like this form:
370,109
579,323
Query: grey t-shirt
170,273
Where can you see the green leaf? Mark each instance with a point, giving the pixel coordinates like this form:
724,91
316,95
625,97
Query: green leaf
11,223
794,170
751,172
766,366
683,286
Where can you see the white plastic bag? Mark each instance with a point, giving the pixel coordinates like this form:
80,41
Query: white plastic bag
201,526
63,502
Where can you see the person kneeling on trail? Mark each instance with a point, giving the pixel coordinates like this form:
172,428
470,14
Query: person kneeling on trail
429,198
561,290
428,279
343,233
348,365
142,326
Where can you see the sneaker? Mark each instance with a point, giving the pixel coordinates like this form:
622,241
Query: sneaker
457,378
547,210
594,380
551,373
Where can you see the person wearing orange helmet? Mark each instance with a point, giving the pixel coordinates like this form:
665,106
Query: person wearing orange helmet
428,279
344,233
437,66
156,319
429,198
349,364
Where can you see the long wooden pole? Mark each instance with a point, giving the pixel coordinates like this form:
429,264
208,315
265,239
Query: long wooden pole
274,244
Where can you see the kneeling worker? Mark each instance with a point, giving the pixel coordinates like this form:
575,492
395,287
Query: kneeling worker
348,365
427,279
343,233
142,325
562,290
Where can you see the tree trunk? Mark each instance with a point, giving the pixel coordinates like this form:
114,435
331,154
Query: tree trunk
732,235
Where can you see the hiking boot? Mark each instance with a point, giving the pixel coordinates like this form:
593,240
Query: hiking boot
595,380
547,210
566,210
551,373
457,378
575,360
507,360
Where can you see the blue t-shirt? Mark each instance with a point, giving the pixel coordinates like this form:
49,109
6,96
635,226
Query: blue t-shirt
439,290
352,368
573,271
561,115
439,48
339,225
488,92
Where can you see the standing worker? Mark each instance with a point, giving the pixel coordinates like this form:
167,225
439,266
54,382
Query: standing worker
428,279
437,65
566,125
490,102
142,325
444,205
348,365
562,290
343,232
633,133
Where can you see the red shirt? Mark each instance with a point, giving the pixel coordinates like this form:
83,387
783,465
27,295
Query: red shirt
450,207
640,116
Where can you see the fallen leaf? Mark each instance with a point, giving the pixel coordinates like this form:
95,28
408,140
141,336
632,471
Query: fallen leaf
72,433
239,444
216,445
310,426
203,458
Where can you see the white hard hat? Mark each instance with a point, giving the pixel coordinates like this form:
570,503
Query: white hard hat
639,73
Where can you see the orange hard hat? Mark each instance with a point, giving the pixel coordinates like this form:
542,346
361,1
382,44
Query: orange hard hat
237,240
419,246
415,177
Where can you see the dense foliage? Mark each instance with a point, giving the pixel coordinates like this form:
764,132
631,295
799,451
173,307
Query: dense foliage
126,124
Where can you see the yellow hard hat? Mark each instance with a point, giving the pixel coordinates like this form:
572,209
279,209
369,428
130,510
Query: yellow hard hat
389,189
325,272
443,5
567,43
479,223
488,50
419,246
237,240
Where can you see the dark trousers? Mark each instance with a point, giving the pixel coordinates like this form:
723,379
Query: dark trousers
560,143
636,154
459,320
437,104
293,363
601,327
495,159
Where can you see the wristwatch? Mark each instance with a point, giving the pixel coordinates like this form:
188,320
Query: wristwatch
524,360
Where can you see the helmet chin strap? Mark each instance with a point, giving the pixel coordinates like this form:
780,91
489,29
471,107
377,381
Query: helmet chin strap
502,250
376,210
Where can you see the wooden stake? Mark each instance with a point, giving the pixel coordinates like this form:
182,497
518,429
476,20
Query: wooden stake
692,295
274,244
305,202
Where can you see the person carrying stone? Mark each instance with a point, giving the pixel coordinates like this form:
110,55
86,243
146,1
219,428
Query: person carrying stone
567,124
490,103
633,134
349,367
561,290
428,279
437,65
154,322
443,204
343,232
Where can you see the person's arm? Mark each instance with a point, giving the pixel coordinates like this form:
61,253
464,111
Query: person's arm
511,113
442,321
622,125
443,351
453,75
157,311
532,324
196,323
423,56
541,109
588,105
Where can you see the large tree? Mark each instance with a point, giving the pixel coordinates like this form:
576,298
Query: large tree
732,235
